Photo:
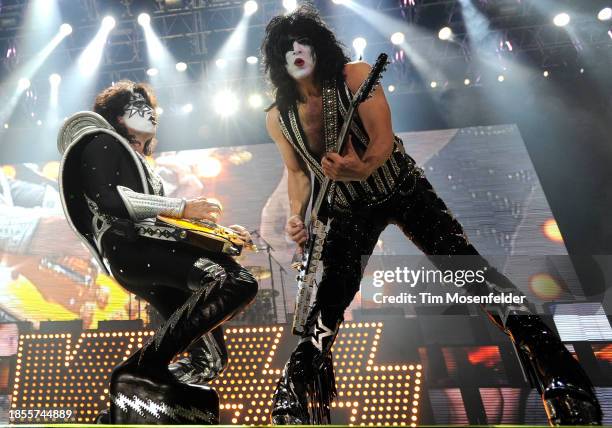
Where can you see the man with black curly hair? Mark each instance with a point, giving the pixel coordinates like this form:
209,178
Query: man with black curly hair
377,183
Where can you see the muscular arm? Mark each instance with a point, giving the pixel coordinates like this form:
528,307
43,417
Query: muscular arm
376,117
298,180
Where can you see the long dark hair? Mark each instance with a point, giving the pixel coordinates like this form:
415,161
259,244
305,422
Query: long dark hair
111,102
329,52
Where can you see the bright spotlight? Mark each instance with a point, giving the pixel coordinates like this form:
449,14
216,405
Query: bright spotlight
159,110
252,60
398,38
605,14
561,20
445,33
467,82
23,84
250,7
187,108
501,78
144,19
434,84
225,103
255,100
340,1
39,122
65,29
6,126
391,88
359,44
546,73
221,63
55,79
152,71
290,5
108,22
181,66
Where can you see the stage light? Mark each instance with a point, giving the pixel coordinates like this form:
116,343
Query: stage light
220,63
250,7
561,19
398,38
187,108
55,79
39,122
108,23
290,5
255,100
152,71
434,84
225,103
181,66
391,88
546,73
582,69
23,84
144,19
6,126
65,29
501,78
252,60
359,44
605,14
445,33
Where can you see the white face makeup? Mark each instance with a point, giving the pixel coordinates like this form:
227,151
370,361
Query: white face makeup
139,115
300,61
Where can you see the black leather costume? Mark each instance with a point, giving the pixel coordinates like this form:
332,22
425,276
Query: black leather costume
403,196
194,290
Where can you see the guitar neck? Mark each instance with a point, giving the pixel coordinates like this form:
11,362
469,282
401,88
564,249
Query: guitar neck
339,146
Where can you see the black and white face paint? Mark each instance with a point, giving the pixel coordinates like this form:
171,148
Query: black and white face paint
139,116
299,58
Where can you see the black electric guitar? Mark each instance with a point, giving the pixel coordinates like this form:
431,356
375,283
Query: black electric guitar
317,228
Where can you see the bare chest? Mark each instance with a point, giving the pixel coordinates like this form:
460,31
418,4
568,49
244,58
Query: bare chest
311,118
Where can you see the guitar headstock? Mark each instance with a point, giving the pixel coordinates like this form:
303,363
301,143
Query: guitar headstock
368,87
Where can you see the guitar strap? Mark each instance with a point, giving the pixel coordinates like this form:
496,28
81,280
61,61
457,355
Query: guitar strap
330,122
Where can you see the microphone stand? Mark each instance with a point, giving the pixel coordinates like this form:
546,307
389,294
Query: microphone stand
282,270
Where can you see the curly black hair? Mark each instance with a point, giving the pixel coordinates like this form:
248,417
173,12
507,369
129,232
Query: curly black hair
111,102
303,22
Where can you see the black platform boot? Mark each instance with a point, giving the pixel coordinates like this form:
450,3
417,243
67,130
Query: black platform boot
566,391
307,387
142,388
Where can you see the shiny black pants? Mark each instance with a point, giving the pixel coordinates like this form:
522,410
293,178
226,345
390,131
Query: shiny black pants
423,217
166,274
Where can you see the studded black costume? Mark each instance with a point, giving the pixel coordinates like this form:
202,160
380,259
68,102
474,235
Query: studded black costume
194,290
399,193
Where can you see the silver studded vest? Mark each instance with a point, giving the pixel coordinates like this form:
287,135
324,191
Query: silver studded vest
381,184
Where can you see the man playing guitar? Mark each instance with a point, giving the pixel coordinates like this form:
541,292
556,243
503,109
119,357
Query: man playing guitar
112,197
376,183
